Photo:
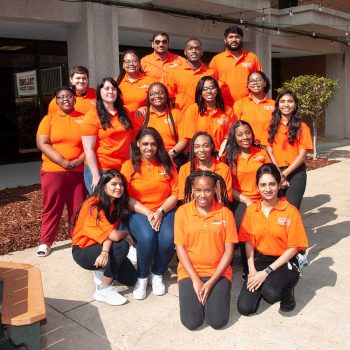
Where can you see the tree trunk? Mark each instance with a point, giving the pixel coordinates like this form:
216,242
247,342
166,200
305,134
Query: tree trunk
314,127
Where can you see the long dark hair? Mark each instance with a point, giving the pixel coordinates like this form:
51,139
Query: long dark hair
294,124
221,193
119,206
122,70
232,147
268,168
219,101
162,156
264,77
192,155
118,105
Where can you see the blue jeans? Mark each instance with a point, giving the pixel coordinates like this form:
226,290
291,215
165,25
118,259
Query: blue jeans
154,249
88,178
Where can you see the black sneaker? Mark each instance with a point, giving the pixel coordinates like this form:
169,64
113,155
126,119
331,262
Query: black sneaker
288,302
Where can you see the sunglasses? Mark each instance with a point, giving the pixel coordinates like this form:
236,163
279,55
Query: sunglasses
158,42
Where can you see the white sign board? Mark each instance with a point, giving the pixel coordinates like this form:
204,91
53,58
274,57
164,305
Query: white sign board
27,83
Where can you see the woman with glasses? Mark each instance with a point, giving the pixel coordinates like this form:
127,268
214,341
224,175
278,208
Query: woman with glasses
167,121
257,107
106,133
209,113
62,182
134,85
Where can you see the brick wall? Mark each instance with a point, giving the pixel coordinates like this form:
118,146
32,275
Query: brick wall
286,68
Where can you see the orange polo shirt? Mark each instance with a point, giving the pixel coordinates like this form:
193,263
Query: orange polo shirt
232,74
135,93
283,151
216,123
218,167
64,134
159,69
204,238
87,231
83,103
244,175
152,185
258,115
182,83
112,145
163,125
283,228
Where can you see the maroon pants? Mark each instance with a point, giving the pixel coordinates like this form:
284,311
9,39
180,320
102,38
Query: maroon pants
58,189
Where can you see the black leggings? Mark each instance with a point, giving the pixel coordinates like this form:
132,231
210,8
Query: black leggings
216,310
118,267
273,289
297,184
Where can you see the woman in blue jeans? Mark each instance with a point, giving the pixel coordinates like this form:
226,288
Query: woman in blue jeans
153,187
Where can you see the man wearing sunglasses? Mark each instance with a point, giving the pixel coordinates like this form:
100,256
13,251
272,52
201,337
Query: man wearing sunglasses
160,61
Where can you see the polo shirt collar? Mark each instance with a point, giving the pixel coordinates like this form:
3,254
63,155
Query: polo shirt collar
151,110
262,101
145,162
281,205
194,211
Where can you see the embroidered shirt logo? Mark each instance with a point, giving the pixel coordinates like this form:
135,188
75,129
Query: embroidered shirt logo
283,221
269,108
222,121
144,86
79,121
219,222
258,158
247,64
167,121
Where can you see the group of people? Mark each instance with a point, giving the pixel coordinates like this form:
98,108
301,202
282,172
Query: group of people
179,156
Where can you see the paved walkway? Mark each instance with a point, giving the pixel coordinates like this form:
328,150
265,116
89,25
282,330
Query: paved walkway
320,320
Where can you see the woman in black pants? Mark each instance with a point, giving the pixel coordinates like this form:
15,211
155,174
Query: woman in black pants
289,141
273,233
97,243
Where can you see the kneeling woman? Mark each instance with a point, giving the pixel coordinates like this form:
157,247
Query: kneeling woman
205,233
274,233
96,242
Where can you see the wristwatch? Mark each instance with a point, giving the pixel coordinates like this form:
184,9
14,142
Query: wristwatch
268,270
162,211
174,152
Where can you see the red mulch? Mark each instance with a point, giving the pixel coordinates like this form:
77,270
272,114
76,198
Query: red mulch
20,213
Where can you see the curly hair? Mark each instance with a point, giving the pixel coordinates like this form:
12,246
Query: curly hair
118,105
264,77
294,124
221,192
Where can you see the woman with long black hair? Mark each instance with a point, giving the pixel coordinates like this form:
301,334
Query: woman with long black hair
289,141
106,133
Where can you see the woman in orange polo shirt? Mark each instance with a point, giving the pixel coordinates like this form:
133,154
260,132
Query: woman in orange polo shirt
203,156
243,158
289,141
167,121
152,183
257,107
98,245
62,182
106,133
134,85
274,233
205,233
209,113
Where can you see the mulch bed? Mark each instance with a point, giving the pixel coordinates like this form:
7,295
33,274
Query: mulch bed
20,213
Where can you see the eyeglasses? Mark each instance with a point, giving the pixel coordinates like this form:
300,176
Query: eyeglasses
157,93
258,81
131,61
65,97
158,42
209,88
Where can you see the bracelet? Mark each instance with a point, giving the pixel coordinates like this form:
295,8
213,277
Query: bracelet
106,251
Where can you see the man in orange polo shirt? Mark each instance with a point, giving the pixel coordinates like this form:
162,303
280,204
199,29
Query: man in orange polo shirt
182,81
160,61
233,66
85,95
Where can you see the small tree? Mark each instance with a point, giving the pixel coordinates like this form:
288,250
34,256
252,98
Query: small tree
314,94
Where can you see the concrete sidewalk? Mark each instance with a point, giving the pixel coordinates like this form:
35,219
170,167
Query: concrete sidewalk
320,320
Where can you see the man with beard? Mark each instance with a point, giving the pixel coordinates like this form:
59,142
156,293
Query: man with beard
160,61
233,66
182,81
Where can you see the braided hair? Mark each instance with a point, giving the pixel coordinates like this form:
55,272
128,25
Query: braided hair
221,192
193,140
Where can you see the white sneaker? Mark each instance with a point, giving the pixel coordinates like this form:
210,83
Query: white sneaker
43,250
158,286
139,291
98,275
109,295
132,254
